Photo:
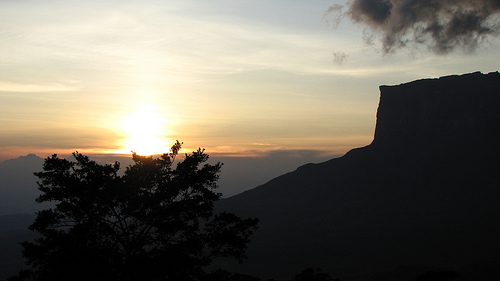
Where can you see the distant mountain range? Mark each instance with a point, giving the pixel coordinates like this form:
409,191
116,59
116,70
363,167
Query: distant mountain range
18,188
424,195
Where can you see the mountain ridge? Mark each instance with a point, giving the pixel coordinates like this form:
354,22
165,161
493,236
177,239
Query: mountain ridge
424,192
18,186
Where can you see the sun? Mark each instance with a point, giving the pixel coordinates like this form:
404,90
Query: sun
145,130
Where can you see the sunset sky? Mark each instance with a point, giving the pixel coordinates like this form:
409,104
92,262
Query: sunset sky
238,78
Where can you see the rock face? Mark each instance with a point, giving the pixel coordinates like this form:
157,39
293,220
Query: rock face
452,109
424,193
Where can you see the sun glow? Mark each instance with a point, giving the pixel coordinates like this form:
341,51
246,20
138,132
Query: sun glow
145,129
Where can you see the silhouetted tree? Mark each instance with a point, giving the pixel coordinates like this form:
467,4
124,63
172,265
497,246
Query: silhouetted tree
154,222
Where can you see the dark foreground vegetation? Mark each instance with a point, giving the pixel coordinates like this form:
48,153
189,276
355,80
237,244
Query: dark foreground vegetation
154,222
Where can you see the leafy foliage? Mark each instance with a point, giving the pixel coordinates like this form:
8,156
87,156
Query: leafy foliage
154,222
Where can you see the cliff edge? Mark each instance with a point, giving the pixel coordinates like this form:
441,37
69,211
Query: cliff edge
423,194
455,109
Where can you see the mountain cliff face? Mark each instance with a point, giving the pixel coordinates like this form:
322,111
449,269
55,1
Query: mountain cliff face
452,109
424,193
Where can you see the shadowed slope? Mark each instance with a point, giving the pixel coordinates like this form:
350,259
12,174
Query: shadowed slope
424,192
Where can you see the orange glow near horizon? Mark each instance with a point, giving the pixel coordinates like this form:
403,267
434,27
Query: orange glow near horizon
145,132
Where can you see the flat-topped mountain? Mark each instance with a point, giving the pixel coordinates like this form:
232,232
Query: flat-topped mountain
424,194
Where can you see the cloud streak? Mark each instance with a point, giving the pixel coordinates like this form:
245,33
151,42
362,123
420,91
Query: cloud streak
441,25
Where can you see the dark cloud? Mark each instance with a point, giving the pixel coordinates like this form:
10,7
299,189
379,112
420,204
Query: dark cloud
370,11
441,25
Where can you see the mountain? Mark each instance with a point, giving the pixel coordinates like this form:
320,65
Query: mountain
18,191
423,195
18,188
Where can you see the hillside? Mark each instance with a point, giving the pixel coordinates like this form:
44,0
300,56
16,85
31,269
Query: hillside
424,194
18,187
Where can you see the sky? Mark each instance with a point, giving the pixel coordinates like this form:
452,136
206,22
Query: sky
238,78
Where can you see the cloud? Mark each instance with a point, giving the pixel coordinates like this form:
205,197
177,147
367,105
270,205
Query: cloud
334,15
29,88
339,57
441,25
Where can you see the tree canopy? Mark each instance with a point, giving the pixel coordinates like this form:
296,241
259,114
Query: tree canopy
152,222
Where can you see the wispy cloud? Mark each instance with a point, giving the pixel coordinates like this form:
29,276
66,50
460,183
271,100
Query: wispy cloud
31,88
339,57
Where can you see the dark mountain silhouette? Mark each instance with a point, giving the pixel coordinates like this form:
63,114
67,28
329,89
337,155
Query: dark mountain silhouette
424,194
18,188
